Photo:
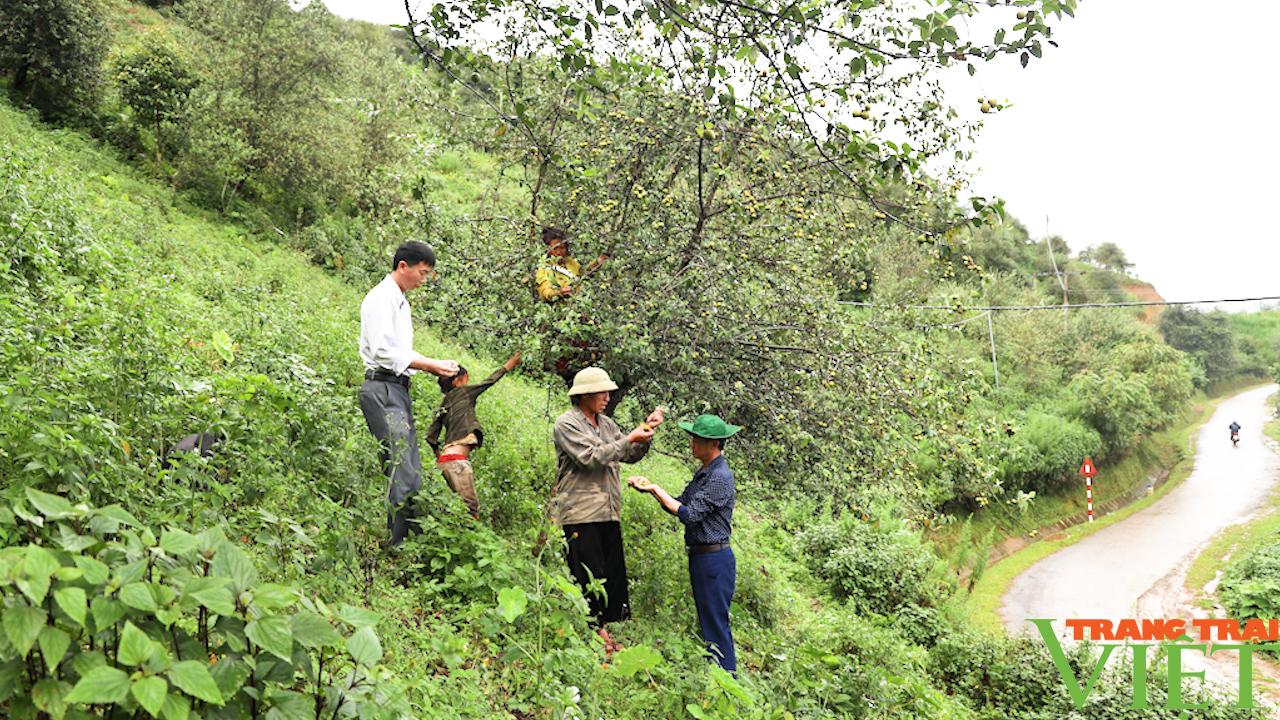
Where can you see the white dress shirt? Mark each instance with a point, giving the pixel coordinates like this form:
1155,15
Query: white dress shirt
386,329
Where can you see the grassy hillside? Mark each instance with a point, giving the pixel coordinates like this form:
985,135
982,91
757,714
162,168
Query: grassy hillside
143,320
132,319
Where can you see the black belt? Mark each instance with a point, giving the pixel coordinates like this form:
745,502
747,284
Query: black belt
386,376
703,549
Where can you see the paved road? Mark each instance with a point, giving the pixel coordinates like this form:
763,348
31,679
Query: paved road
1106,574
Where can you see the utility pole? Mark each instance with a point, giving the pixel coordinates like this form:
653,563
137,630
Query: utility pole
1062,279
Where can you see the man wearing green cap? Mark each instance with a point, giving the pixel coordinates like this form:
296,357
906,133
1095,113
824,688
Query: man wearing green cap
588,495
706,509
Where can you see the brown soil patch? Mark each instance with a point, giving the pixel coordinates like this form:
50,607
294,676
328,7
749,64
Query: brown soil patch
1146,293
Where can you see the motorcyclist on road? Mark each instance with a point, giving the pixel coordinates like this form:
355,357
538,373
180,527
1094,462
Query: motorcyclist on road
1235,432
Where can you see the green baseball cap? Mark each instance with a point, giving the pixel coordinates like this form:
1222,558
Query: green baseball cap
711,427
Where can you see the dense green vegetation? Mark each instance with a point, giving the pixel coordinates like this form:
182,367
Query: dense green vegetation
204,275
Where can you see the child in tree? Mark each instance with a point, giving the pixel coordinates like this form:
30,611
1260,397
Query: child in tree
462,431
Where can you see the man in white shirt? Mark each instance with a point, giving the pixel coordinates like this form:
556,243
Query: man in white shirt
386,347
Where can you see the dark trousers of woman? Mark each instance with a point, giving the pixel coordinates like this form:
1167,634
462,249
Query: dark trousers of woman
595,551
714,576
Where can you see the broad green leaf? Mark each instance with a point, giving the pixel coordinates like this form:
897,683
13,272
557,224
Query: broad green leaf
272,634
39,563
192,678
230,675
67,574
35,588
10,677
71,541
96,572
22,624
82,663
289,705
512,603
364,647
102,686
54,507
313,631
119,514
50,696
270,596
150,692
73,602
212,593
176,707
106,612
629,661
169,616
135,646
222,344
232,562
358,617
178,542
138,596
53,645
131,573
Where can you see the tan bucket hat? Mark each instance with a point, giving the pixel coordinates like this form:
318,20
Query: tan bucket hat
591,380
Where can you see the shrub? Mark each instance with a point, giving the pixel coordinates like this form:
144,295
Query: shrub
1250,587
880,566
101,614
1044,451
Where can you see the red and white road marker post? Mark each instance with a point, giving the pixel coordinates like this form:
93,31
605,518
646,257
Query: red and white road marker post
1088,470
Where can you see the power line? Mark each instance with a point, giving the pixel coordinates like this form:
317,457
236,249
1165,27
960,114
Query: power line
990,308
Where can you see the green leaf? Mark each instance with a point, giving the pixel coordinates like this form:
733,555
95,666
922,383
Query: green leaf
35,588
119,514
50,696
178,542
10,677
214,594
150,692
106,612
629,661
82,663
270,596
272,634
53,645
73,602
135,646
176,707
138,596
231,562
39,563
358,617
192,678
512,603
22,625
364,647
54,507
102,686
289,705
230,675
96,572
313,631
222,344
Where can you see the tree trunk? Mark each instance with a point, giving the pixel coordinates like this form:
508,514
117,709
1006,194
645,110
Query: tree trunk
20,77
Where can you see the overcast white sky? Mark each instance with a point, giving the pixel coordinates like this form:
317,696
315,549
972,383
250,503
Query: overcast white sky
1153,126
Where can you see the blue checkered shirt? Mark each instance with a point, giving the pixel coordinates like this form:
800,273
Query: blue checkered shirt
706,505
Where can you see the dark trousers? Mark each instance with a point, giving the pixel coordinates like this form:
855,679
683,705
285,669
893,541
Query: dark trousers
388,411
595,551
714,576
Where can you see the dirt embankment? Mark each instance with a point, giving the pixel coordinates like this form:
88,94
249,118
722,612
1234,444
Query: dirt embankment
1146,293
